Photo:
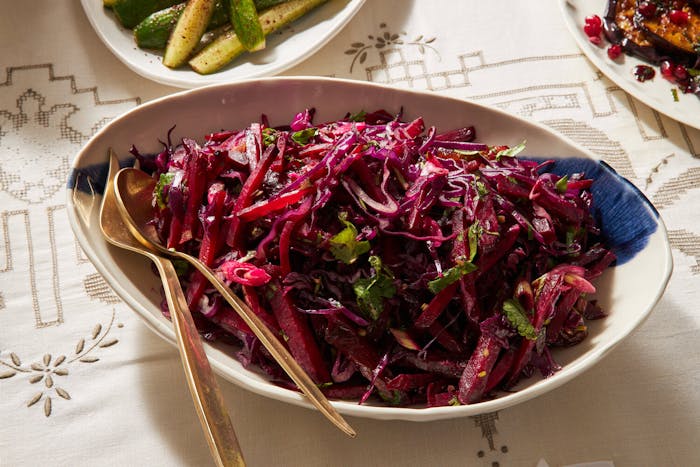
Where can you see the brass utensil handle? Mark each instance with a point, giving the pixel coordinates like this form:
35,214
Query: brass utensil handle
278,351
204,388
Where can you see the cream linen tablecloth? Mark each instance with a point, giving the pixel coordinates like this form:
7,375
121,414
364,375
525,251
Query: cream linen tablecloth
83,382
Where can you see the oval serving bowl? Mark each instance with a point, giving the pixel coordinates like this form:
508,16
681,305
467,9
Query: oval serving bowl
629,290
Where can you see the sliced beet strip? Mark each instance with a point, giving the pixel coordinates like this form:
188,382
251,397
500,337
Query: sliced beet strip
298,335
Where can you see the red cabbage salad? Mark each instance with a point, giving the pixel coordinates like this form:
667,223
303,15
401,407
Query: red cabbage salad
398,263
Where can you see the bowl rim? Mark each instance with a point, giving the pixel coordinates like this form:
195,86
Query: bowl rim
593,355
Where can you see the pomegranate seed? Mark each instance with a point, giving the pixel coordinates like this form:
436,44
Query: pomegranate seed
593,26
647,9
667,69
680,72
595,40
614,51
593,19
679,17
643,73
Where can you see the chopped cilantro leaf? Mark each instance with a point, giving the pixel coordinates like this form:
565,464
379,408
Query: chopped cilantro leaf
474,233
303,136
371,291
517,316
164,180
451,275
481,188
344,244
454,401
392,398
511,152
358,117
269,136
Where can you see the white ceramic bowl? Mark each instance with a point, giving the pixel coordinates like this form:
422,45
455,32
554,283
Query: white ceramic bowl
629,290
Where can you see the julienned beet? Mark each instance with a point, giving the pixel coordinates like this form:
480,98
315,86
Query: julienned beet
397,262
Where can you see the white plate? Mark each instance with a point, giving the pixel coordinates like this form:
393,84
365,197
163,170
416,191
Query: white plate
284,49
629,290
656,93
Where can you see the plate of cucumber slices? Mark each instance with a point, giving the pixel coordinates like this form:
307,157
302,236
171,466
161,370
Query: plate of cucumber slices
138,32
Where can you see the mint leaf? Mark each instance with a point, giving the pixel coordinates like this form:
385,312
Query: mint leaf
303,136
517,316
371,291
450,276
164,180
344,244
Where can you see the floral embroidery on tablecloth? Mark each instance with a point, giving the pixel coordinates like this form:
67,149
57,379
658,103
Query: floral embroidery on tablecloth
359,49
48,375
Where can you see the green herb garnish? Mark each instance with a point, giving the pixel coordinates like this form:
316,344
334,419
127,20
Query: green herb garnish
302,137
518,318
510,152
269,136
562,184
164,180
345,246
372,291
451,275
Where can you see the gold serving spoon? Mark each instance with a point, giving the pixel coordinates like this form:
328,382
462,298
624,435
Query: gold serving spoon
134,193
208,401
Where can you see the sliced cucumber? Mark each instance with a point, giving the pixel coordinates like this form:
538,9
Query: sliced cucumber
245,22
189,29
228,46
154,31
132,12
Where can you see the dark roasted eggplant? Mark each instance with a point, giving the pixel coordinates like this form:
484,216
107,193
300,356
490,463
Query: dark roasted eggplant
678,36
654,37
620,28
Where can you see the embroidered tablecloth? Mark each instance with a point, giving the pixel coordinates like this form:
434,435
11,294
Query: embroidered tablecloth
83,382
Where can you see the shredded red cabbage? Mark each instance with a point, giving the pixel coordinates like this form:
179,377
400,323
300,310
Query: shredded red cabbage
396,262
